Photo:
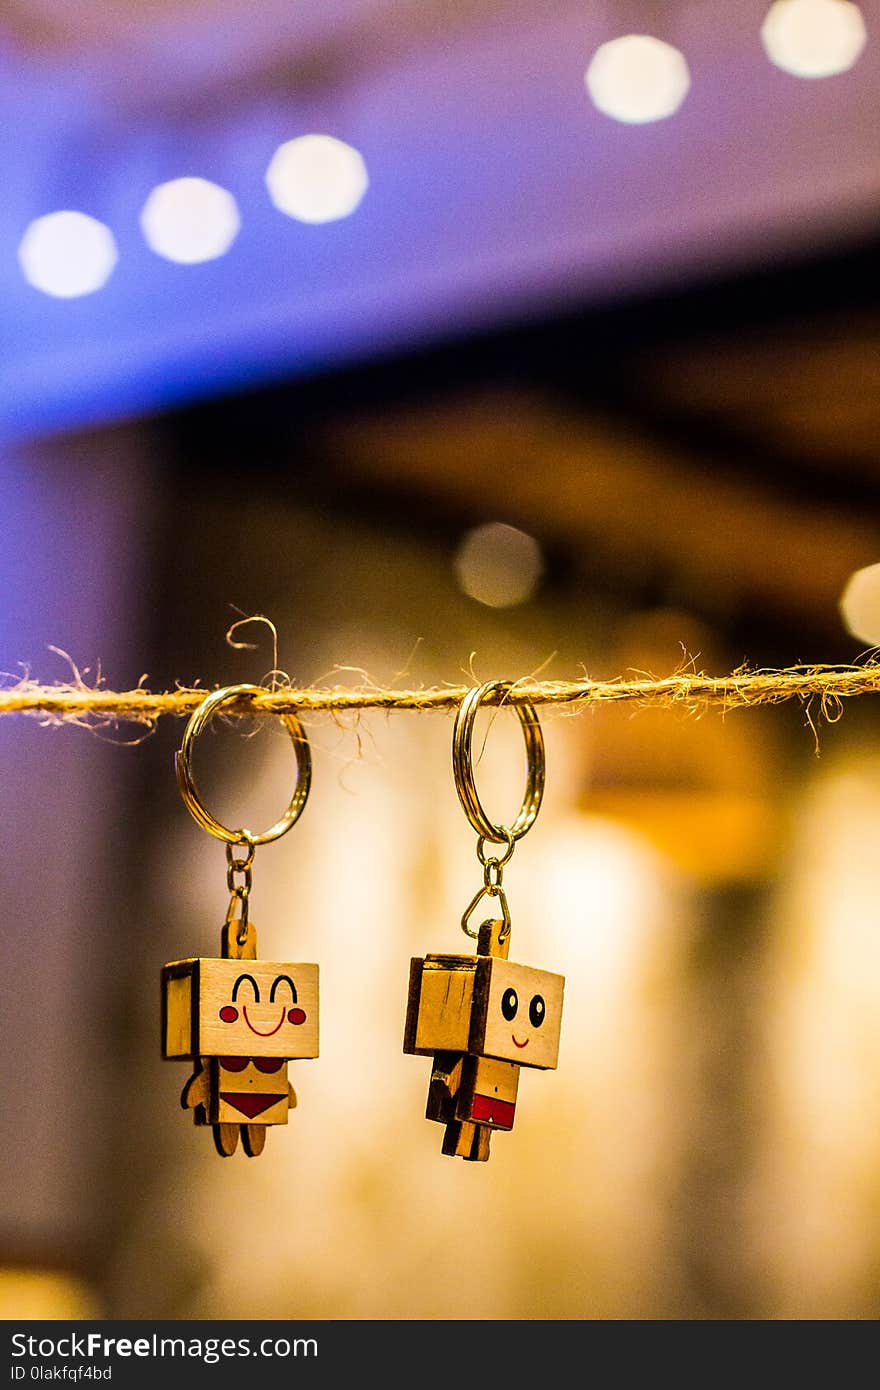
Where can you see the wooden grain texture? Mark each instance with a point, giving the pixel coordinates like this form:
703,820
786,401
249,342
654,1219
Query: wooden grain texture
439,1004
179,981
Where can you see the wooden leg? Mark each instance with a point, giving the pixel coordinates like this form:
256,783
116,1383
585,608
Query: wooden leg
226,1138
480,1149
253,1137
451,1138
463,1139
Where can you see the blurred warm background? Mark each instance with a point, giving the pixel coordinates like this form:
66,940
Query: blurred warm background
456,344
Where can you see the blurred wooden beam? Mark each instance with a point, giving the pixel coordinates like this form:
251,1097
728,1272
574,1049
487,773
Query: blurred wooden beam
810,390
583,481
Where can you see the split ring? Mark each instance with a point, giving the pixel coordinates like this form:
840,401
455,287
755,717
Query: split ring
463,769
186,780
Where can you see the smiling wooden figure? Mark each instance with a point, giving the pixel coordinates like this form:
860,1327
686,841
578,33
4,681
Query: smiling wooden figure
240,1019
482,1017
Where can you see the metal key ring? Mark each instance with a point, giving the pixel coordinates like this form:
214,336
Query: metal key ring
186,780
463,770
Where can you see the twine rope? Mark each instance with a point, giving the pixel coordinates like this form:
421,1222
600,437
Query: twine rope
820,688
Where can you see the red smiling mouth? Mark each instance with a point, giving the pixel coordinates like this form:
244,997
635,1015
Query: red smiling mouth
257,1031
517,1043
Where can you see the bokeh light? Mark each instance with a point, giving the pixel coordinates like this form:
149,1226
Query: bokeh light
860,605
67,254
45,1295
498,565
813,38
189,220
316,178
637,78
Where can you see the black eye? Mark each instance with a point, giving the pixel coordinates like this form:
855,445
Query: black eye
509,1004
280,980
254,986
537,1010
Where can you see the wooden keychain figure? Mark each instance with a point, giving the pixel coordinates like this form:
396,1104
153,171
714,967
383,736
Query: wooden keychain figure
482,1017
238,1018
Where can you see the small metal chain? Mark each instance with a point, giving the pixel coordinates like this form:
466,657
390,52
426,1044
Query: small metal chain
240,891
493,874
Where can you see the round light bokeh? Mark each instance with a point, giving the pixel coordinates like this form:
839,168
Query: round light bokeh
860,605
498,565
637,79
189,220
66,254
813,38
317,178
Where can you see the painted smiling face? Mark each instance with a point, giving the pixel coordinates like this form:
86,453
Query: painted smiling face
523,1015
237,1008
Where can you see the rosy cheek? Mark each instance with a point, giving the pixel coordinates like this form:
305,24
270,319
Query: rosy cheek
229,1013
296,1016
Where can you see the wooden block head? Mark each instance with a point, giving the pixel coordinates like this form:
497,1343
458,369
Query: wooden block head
485,1006
517,1013
237,1008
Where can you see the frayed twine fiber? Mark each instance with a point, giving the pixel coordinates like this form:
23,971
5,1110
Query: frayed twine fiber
820,688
